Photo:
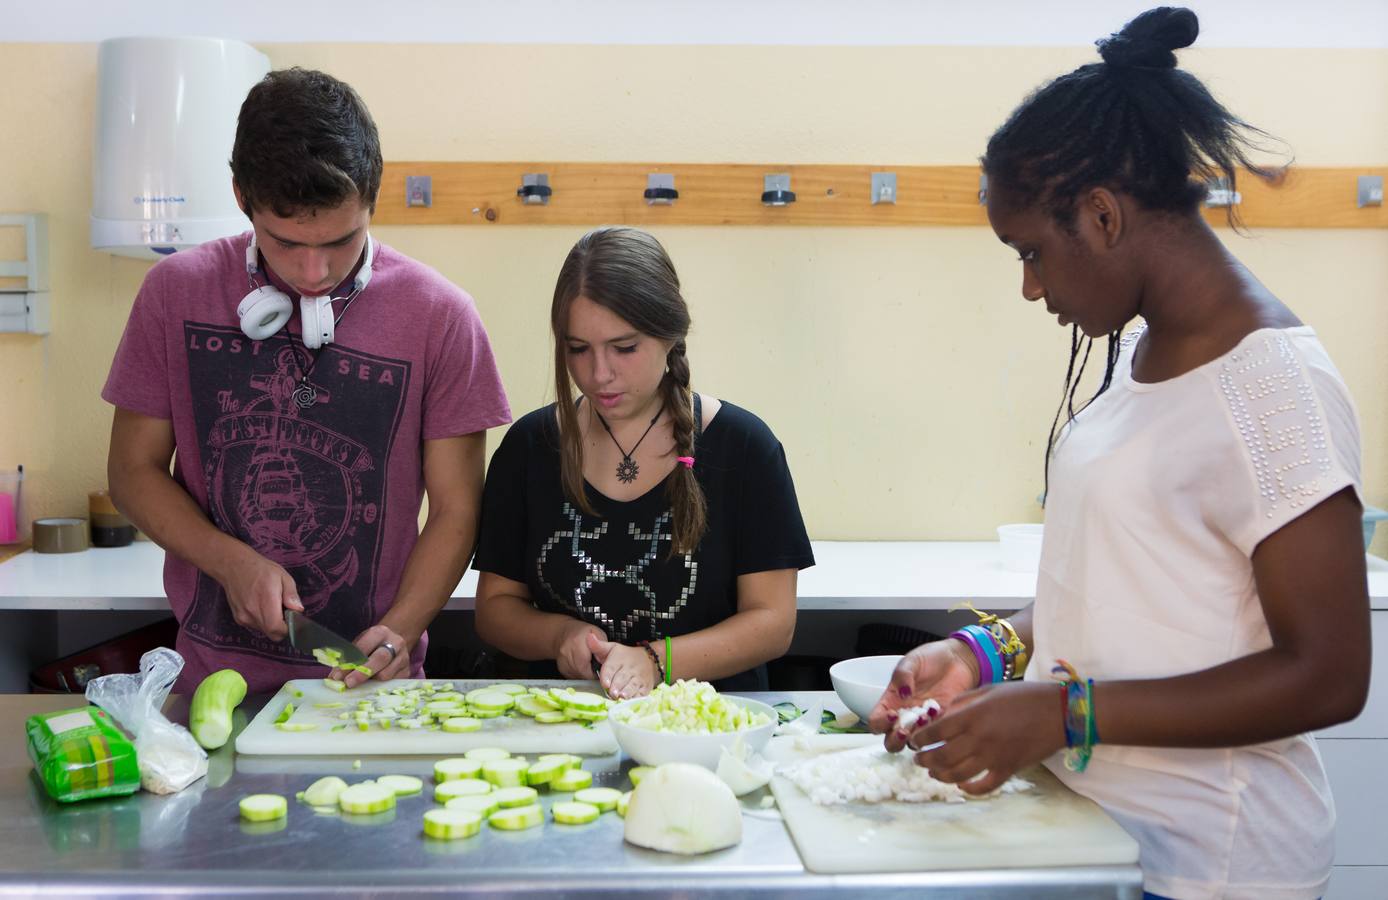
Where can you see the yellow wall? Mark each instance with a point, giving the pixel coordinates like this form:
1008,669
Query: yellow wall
911,386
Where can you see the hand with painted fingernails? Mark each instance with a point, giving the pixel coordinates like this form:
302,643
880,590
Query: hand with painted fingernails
988,734
939,671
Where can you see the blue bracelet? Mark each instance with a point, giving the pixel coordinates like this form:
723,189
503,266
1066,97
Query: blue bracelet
989,645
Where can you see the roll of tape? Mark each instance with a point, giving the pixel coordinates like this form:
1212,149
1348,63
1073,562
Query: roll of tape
109,527
60,535
99,504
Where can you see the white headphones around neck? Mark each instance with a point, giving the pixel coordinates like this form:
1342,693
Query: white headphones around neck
265,310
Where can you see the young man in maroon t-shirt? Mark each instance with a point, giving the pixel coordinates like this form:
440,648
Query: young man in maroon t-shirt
301,460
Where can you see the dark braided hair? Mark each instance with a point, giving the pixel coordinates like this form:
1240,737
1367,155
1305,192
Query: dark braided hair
628,272
1133,123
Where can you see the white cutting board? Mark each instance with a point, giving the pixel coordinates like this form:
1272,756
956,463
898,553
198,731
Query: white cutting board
1050,825
518,734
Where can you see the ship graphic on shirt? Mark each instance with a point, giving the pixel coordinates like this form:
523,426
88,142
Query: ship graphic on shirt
304,487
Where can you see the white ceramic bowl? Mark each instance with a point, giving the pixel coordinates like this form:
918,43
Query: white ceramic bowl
859,682
1021,546
654,748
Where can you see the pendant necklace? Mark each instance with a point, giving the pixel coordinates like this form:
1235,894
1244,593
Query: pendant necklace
627,469
305,395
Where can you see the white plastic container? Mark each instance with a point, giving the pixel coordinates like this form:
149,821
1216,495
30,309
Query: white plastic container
165,121
1021,546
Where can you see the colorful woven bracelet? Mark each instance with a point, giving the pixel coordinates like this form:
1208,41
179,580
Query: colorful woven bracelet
1010,646
1080,732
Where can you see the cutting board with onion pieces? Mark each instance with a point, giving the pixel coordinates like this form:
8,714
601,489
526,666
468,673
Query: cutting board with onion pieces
1050,825
511,731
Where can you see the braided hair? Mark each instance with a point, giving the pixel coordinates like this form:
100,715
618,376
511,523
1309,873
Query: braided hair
1133,123
628,272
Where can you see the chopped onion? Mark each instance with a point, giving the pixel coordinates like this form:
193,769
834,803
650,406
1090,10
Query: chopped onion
743,770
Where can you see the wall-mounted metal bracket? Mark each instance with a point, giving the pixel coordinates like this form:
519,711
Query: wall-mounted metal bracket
1370,191
883,187
776,190
534,190
419,190
24,297
660,190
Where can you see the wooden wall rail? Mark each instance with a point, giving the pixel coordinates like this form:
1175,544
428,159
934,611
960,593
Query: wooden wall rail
484,193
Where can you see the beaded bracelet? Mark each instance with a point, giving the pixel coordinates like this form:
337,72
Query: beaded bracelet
659,669
1010,646
1080,732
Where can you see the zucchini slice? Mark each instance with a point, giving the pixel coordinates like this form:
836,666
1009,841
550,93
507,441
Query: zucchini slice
451,824
517,819
575,813
462,787
263,807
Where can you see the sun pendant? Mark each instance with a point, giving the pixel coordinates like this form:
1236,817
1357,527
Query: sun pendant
304,395
627,470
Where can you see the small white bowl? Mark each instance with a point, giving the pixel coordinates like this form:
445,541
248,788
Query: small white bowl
1021,546
655,748
859,682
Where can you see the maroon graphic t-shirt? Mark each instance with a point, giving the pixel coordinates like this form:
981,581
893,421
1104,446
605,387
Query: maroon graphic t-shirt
332,492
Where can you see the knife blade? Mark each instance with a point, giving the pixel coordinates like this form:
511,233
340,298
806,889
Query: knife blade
306,635
597,674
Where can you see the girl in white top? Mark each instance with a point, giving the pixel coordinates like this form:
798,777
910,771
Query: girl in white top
1202,562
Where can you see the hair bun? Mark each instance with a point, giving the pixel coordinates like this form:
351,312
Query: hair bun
1150,39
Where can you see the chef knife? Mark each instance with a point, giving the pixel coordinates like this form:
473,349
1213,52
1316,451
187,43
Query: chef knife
306,635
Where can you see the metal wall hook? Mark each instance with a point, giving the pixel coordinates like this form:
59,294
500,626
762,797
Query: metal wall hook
776,191
1370,191
534,190
419,190
883,188
660,190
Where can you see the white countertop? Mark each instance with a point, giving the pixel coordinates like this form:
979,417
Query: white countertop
848,575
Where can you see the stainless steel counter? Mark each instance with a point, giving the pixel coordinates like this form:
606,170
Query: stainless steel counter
194,844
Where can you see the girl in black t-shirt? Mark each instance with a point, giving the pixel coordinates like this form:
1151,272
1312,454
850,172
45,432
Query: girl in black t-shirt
642,532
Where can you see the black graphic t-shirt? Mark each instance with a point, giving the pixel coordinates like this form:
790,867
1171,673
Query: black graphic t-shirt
615,570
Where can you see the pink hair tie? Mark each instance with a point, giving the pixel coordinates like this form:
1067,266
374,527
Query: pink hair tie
687,460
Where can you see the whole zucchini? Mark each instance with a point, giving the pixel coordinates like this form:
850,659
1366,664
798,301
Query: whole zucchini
209,716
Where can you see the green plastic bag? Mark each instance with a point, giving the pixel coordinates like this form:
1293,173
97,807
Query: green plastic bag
80,753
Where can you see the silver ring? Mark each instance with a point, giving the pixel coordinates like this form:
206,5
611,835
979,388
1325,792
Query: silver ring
390,647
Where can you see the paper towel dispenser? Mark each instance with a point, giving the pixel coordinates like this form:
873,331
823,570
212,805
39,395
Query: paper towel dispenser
165,121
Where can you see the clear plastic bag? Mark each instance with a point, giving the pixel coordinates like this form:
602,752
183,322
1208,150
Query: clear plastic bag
170,759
